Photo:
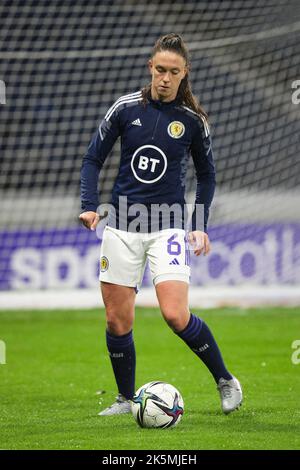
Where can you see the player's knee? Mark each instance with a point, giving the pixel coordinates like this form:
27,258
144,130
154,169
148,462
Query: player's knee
176,320
118,326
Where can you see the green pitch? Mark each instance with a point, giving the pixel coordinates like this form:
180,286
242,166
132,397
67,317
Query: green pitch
57,371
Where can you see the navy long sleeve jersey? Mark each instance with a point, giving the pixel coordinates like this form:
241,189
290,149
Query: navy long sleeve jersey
157,140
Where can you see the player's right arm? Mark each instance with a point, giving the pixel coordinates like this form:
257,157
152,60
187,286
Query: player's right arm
98,149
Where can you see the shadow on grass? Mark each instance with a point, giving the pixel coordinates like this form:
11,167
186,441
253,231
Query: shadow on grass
260,420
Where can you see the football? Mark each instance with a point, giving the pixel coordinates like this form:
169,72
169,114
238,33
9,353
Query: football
157,405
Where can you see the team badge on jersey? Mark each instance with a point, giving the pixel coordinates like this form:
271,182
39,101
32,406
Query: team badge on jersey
104,264
176,129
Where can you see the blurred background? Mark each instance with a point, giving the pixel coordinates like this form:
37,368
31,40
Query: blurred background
62,65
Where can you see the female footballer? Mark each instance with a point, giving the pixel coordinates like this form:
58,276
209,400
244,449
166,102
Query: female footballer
160,126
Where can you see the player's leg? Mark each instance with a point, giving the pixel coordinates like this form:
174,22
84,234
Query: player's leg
121,271
173,302
119,307
173,299
168,259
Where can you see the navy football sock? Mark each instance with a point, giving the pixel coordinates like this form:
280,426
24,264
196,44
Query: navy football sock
199,338
122,355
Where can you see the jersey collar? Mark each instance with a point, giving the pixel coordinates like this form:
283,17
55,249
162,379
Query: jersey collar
162,104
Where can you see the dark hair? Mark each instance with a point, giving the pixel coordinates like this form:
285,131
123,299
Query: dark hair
174,42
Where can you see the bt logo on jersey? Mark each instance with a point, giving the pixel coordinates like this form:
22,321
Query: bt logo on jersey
144,161
149,164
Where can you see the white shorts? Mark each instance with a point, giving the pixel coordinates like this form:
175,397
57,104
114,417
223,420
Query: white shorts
124,256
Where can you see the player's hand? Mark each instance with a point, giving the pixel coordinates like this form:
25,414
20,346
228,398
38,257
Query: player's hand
90,219
200,242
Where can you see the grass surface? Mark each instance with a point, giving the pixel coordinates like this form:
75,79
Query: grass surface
57,361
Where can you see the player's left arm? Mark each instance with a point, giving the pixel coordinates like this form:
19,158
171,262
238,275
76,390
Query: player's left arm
202,154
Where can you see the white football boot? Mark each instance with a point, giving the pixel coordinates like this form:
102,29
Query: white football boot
119,407
231,394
